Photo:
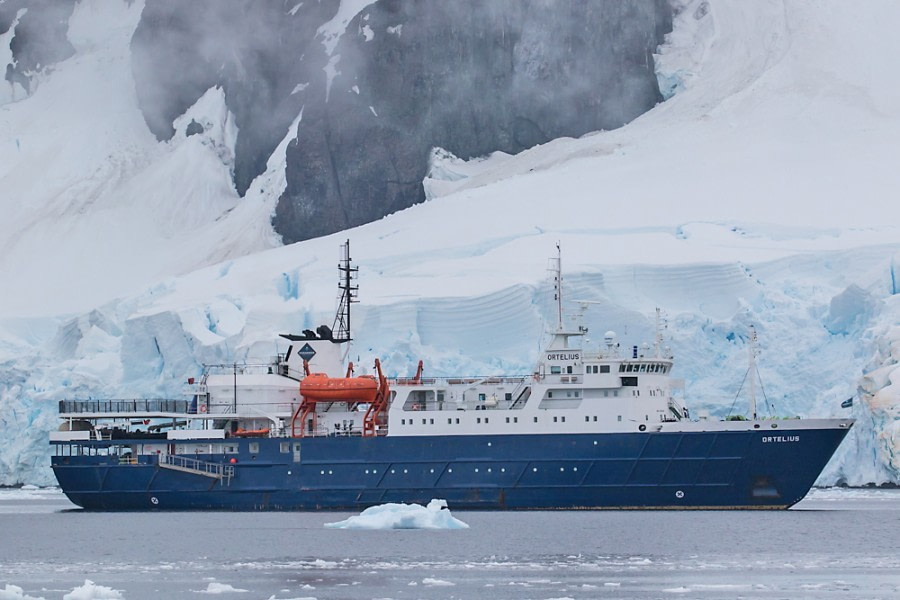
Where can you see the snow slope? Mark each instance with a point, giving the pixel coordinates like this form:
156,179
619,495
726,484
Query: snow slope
757,194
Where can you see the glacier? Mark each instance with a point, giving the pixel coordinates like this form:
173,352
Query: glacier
758,193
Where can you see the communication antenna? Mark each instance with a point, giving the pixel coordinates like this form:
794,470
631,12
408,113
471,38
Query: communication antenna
349,289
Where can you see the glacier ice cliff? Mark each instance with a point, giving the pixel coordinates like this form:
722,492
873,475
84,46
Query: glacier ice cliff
148,345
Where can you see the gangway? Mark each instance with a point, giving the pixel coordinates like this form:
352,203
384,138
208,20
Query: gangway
223,473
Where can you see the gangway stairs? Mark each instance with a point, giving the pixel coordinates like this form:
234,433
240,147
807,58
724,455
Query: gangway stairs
223,473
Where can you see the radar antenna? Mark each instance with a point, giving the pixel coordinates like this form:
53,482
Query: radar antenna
349,289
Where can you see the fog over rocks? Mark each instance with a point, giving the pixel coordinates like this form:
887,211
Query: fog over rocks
468,76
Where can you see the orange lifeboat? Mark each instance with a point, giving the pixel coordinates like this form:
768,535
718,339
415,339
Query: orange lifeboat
319,387
251,433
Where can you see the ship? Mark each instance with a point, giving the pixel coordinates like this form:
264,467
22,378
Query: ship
605,427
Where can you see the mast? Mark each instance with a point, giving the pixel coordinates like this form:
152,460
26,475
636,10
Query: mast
556,269
349,290
752,352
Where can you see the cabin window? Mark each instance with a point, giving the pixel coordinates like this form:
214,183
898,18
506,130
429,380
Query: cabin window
254,447
535,419
440,396
229,449
550,394
563,419
569,370
616,393
508,396
431,421
603,369
449,421
554,419
481,397
285,447
620,418
515,419
457,420
555,370
595,418
403,421
606,393
423,421
478,420
586,419
507,419
486,419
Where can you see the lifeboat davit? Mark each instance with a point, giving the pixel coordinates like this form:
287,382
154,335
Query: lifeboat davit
319,387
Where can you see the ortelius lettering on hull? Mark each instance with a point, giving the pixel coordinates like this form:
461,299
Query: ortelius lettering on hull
586,429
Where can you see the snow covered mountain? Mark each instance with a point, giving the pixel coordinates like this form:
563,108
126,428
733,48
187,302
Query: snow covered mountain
758,193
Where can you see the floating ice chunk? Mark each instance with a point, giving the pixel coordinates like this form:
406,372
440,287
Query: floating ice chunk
219,588
92,591
14,592
403,516
436,582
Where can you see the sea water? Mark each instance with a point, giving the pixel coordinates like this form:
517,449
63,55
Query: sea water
835,544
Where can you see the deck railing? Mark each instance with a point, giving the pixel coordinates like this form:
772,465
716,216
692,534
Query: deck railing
135,405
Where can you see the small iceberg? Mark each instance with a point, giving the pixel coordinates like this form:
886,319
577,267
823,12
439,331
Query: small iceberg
403,516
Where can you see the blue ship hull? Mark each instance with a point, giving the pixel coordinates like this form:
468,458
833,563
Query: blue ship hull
693,470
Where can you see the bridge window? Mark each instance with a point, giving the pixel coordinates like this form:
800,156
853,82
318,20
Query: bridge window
621,368
603,369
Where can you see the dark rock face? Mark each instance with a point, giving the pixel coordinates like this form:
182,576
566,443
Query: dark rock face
40,39
469,76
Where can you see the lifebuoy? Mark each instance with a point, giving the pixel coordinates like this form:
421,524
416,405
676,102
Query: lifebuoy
203,408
